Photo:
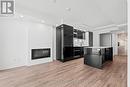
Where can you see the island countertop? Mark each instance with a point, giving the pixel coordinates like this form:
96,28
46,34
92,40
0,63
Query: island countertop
98,47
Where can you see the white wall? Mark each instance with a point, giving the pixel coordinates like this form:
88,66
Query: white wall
13,43
18,37
54,42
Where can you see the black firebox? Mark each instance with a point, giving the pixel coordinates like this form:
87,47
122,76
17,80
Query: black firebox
40,53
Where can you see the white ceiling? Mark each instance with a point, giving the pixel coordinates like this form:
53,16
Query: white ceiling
89,13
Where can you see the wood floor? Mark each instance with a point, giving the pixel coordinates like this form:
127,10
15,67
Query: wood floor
69,74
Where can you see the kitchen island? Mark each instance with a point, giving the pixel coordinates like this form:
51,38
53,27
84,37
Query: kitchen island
97,56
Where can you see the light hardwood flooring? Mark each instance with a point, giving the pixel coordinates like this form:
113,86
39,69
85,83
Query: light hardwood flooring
69,74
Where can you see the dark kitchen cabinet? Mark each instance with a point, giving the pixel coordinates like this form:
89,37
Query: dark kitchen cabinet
90,38
64,42
78,52
67,36
97,56
67,53
65,49
75,34
79,34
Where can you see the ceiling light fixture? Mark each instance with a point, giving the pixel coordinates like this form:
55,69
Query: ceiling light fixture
21,16
42,21
54,1
68,9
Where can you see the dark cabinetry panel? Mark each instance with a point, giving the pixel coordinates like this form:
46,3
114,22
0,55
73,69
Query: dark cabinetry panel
68,35
90,38
79,34
64,42
96,57
58,43
78,52
75,33
68,53
109,54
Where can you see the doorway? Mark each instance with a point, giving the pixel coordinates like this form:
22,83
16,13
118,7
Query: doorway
122,43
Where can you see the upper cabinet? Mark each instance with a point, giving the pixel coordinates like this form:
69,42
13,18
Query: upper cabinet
79,34
66,35
90,39
82,38
75,33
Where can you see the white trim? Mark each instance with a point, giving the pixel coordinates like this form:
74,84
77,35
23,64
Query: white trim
102,27
120,25
108,26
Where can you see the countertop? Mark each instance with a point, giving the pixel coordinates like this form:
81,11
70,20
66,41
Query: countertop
98,47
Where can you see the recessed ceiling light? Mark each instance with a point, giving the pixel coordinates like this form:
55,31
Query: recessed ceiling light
21,16
68,9
54,1
42,21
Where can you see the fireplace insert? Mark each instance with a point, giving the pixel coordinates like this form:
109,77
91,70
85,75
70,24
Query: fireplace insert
40,53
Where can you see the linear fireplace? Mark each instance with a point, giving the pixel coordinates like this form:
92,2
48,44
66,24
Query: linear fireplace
40,53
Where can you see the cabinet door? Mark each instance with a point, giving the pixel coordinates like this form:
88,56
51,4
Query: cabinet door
83,33
75,33
90,38
79,34
68,36
58,43
68,52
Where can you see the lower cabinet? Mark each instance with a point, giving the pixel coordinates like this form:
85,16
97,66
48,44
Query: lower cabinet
67,53
71,53
78,52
